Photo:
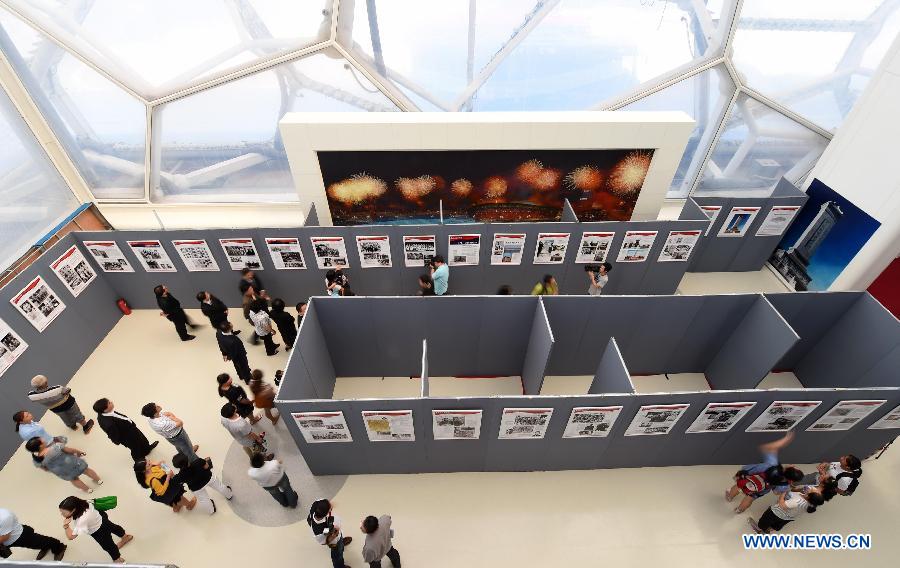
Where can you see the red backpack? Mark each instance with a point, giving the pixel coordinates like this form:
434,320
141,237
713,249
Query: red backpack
752,483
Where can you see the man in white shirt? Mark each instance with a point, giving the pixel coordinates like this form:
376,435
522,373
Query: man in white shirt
242,432
171,428
598,279
15,534
270,475
326,529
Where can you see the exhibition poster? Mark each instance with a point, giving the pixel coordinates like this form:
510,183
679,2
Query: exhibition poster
456,424
594,247
524,423
679,245
508,249
845,415
889,420
636,246
655,420
11,346
591,421
196,256
73,270
108,256
152,256
777,220
712,212
418,250
720,417
241,253
389,425
322,427
738,221
286,253
331,252
38,303
551,248
463,250
783,415
374,252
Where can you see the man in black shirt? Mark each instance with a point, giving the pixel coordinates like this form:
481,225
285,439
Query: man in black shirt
171,308
251,288
197,475
121,430
232,349
214,309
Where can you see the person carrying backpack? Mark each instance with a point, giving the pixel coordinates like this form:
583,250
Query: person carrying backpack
846,472
756,480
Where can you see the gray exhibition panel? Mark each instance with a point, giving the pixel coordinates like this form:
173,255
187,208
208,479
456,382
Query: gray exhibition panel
612,376
310,364
537,353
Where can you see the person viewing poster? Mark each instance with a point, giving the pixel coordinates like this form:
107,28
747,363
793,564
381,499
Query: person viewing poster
38,303
507,249
888,421
720,417
331,252
845,415
152,256
712,212
73,270
551,248
374,252
524,423
463,250
777,220
636,246
241,253
11,347
783,415
108,256
418,250
196,256
738,221
655,420
594,247
591,421
286,253
678,246
322,427
389,425
456,424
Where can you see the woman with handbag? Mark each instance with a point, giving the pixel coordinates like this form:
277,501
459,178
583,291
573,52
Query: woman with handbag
62,461
82,517
263,395
157,477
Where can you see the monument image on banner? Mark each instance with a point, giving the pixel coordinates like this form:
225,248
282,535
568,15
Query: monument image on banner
783,415
550,248
524,423
11,346
286,253
241,253
73,270
38,303
389,425
591,421
720,417
330,252
374,252
108,256
712,212
322,427
196,256
594,247
678,246
655,420
410,186
152,256
507,249
827,234
636,246
738,221
888,421
418,250
463,250
777,220
845,415
456,424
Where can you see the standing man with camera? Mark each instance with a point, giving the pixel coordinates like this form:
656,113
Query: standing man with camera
598,277
440,275
326,529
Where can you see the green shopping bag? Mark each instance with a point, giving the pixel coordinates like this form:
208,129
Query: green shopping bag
105,503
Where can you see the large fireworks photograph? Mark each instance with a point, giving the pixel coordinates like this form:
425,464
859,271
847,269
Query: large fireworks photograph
409,187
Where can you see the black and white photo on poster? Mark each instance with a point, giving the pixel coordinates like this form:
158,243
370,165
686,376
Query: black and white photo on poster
591,421
678,246
389,425
738,221
38,303
777,220
550,248
11,346
524,423
712,213
507,249
331,252
720,417
456,424
888,421
463,250
286,253
636,246
845,415
594,247
108,256
241,253
418,250
152,256
655,420
783,415
73,270
196,256
322,427
374,252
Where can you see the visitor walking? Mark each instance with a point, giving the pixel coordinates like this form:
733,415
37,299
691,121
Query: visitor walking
264,395
237,396
285,323
232,349
262,324
214,309
326,529
240,429
378,543
14,534
790,505
198,476
546,287
60,401
171,309
82,517
270,475
62,461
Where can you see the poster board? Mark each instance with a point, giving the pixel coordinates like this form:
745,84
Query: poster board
655,419
196,255
888,421
594,247
720,417
456,424
845,415
108,256
330,252
241,253
322,427
738,221
73,270
524,423
374,252
783,415
38,303
286,253
507,249
550,248
418,250
463,250
678,246
712,212
636,246
777,220
11,346
591,421
389,425
152,256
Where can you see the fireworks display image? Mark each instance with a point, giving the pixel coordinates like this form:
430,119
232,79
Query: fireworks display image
487,185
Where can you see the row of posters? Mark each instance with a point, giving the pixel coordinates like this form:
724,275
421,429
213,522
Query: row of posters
592,421
739,219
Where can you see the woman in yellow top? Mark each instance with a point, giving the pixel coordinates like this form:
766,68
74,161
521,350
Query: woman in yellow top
157,477
546,287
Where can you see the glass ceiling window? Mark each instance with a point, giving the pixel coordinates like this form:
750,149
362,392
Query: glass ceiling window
223,144
814,56
704,97
158,47
758,147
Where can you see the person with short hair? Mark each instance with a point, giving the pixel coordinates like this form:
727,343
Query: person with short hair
171,428
198,476
62,461
546,287
262,324
301,311
333,286
505,290
264,395
60,401
440,275
252,289
82,517
846,472
14,534
170,308
240,429
426,285
326,529
270,475
214,309
232,349
378,543
27,427
236,396
159,478
598,279
285,323
121,430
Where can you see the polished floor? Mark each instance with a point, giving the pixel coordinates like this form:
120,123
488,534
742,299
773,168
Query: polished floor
626,517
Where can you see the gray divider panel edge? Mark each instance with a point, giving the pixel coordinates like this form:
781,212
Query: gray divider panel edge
537,354
568,214
312,217
424,376
612,376
316,358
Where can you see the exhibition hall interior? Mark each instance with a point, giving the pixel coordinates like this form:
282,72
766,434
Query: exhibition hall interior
461,283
